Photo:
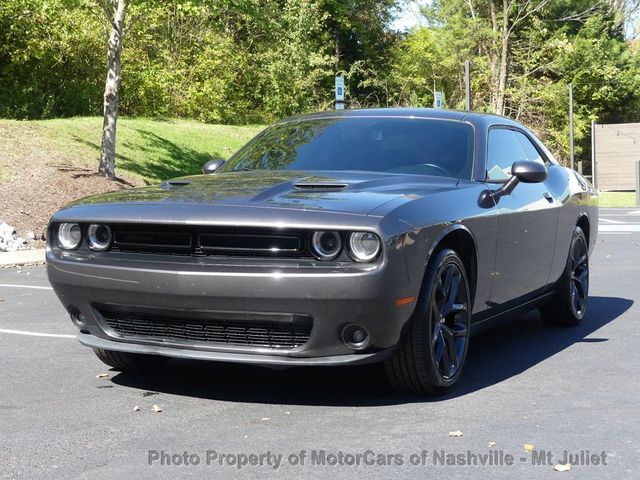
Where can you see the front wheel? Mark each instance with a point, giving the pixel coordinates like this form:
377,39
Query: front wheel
126,362
432,352
569,305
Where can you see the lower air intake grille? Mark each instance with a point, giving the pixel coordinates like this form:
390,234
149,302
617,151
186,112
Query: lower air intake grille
266,334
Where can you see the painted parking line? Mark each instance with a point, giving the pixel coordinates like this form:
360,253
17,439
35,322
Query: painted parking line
620,214
619,228
620,218
36,334
631,214
35,287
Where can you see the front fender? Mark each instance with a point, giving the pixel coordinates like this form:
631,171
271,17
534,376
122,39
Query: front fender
429,220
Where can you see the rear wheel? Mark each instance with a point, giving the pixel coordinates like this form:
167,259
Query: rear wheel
432,352
124,361
569,305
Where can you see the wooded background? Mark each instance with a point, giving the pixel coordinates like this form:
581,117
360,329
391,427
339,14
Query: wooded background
255,61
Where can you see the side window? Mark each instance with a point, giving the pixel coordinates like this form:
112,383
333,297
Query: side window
504,149
532,152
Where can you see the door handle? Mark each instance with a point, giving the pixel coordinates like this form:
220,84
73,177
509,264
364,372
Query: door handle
548,196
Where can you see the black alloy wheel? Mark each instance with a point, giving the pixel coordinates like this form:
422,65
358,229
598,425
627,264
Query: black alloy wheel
569,304
579,276
449,321
432,351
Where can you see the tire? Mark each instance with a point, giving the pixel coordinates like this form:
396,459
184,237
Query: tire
568,306
422,362
128,362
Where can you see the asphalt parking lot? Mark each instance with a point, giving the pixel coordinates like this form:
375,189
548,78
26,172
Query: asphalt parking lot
525,383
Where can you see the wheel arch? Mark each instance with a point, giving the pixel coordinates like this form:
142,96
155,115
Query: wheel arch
584,224
459,239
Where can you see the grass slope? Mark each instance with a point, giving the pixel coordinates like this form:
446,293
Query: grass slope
46,164
152,150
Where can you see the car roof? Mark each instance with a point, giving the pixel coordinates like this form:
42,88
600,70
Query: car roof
433,113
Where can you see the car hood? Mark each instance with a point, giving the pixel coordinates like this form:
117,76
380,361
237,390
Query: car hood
340,192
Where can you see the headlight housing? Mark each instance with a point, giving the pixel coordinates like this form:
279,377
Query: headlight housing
69,236
326,245
99,237
364,246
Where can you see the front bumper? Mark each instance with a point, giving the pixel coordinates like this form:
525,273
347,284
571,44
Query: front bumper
236,357
334,296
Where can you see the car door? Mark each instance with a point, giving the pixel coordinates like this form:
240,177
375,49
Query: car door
527,222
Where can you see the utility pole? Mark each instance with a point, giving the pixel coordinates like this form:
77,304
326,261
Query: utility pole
638,183
467,84
571,147
593,153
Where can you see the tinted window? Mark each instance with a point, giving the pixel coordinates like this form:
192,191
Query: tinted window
532,152
395,145
504,149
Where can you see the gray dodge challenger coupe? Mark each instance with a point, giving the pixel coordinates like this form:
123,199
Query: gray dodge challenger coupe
336,238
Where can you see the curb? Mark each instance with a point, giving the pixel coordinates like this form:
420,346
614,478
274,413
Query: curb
22,257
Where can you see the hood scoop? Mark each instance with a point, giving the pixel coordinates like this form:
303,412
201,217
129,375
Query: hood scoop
169,184
320,186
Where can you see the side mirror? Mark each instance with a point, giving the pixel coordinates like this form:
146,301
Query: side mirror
212,166
525,171
528,171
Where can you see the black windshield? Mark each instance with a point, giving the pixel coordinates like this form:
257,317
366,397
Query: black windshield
378,144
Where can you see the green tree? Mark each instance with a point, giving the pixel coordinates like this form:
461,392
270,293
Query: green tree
548,45
51,59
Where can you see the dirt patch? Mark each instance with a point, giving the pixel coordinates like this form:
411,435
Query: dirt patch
35,182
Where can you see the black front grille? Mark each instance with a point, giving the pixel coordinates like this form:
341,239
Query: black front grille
292,332
225,242
134,239
200,241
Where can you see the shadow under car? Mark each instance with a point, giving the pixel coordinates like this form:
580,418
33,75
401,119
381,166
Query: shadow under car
494,356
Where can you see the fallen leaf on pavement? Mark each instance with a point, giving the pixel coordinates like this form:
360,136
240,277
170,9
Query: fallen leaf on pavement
103,375
457,433
492,444
265,419
562,467
156,409
136,408
528,447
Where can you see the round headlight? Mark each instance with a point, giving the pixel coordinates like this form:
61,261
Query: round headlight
69,235
326,245
364,246
98,237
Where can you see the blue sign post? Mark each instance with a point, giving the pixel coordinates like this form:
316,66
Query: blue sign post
438,100
339,93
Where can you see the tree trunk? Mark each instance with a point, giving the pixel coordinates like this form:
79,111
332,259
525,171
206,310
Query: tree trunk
499,56
504,59
493,53
115,10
